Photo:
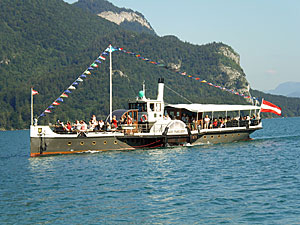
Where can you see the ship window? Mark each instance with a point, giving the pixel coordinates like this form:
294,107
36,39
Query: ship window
135,115
81,143
219,136
142,107
204,137
151,106
94,143
69,143
115,142
172,113
158,105
225,135
239,134
212,137
105,142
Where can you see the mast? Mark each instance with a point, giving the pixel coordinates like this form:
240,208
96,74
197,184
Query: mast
110,83
31,106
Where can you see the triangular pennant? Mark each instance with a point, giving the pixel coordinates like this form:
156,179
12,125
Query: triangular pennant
79,80
34,92
60,99
55,103
72,87
64,95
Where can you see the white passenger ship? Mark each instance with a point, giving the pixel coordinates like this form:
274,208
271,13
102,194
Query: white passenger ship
151,123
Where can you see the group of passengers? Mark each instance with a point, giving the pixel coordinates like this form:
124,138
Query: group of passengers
93,124
82,126
210,123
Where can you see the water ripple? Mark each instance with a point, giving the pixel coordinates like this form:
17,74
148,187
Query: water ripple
254,182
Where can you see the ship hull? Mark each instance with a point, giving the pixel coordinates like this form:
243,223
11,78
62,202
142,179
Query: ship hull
43,146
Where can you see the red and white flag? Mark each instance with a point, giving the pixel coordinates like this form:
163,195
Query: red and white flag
33,92
269,107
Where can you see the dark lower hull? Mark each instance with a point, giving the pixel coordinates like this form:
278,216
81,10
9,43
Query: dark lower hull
222,137
41,146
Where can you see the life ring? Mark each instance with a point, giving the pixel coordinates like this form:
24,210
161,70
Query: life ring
144,118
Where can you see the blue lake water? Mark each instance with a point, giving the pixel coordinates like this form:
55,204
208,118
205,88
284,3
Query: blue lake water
253,182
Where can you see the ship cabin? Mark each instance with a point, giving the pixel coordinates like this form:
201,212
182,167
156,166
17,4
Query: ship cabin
219,116
143,112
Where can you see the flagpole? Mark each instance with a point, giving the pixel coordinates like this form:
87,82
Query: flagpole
31,107
260,107
110,83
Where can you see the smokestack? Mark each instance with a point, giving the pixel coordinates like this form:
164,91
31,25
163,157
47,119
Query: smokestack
160,94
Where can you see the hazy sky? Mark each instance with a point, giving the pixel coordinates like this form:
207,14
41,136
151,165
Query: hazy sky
265,33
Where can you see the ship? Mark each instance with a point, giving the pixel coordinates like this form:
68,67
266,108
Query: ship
149,124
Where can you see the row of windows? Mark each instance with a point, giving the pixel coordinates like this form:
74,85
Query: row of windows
219,136
93,143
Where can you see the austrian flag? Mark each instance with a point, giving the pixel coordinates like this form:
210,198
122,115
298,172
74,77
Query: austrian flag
269,107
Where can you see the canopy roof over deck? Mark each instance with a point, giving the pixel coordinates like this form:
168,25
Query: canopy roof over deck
212,107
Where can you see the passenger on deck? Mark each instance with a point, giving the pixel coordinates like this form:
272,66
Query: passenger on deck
183,118
222,125
69,126
167,117
108,127
193,123
215,123
77,125
100,124
83,127
129,120
94,119
206,122
114,122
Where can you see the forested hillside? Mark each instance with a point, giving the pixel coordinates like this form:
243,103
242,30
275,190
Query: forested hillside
47,44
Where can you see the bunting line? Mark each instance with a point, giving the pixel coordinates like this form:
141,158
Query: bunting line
138,56
96,63
65,94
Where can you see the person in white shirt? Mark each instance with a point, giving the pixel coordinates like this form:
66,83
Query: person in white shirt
206,122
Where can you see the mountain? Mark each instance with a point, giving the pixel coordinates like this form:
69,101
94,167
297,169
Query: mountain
126,18
48,44
289,89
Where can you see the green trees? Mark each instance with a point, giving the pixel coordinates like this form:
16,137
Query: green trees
48,44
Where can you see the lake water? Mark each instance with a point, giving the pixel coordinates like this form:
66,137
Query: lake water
253,182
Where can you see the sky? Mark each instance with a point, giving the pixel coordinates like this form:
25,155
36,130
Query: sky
265,33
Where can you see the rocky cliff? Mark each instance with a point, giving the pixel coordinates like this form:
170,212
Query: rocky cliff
235,77
126,18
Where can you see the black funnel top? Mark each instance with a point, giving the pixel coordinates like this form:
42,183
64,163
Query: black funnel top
161,80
